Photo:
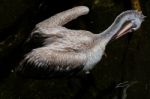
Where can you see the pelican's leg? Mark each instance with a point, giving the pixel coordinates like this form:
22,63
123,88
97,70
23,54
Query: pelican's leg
125,86
64,17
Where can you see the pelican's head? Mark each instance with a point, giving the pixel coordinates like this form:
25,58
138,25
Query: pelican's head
131,19
139,18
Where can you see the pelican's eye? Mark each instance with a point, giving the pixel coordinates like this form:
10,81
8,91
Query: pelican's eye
134,25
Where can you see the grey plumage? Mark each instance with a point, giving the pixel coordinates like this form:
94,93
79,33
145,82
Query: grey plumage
67,50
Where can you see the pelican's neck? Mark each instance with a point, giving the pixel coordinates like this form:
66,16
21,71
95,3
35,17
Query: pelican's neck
107,35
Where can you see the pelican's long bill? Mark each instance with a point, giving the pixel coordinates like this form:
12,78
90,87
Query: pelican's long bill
126,28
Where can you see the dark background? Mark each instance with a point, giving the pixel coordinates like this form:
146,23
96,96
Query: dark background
126,59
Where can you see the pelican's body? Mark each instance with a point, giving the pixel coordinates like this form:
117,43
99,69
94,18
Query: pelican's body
67,50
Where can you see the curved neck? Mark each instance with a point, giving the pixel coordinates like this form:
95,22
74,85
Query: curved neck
116,26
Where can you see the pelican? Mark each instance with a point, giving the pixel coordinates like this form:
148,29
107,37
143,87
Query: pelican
66,51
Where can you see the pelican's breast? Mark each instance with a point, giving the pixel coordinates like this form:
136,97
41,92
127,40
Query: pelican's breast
93,57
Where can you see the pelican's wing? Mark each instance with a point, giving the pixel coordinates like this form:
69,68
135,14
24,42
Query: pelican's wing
64,17
65,55
43,63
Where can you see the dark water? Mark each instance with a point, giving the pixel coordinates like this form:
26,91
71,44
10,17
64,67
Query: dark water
127,59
